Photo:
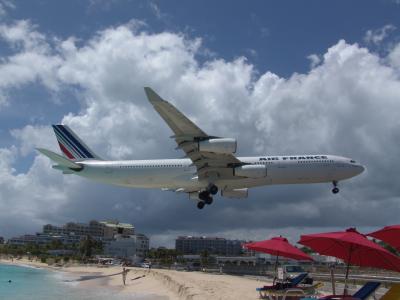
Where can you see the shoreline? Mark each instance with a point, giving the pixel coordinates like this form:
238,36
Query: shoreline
157,284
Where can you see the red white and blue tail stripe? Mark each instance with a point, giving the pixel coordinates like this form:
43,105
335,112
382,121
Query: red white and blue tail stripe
71,145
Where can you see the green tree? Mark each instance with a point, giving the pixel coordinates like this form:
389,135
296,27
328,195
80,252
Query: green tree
86,247
204,257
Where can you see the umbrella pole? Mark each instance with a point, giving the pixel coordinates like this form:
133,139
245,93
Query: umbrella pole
346,278
333,280
276,268
347,273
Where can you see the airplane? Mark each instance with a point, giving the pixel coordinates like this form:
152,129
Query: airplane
210,165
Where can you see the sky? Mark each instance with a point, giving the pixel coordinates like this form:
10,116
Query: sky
283,77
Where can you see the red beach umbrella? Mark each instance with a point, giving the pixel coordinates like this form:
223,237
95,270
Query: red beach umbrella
388,234
352,247
278,246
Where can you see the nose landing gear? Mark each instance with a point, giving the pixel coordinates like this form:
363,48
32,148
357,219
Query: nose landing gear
335,189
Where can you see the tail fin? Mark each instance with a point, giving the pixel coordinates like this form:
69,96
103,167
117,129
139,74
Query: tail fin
71,145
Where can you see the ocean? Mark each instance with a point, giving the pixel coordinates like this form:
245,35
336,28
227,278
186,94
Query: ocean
28,283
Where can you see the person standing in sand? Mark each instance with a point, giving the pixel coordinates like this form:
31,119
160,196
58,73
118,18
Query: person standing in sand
124,273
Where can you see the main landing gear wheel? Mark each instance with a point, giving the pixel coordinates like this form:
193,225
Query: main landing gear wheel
209,200
200,204
205,197
335,189
213,189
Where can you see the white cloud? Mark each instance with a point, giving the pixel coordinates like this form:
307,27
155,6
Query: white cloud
346,105
394,57
155,9
5,6
32,61
31,137
378,35
315,60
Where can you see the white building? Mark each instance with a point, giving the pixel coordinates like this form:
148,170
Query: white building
43,239
123,246
142,245
325,259
113,228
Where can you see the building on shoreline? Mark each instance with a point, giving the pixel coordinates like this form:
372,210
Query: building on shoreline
1,240
142,245
43,239
113,228
118,239
134,247
192,245
98,230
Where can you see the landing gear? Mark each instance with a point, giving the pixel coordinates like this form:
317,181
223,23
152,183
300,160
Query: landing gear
200,204
212,188
335,189
205,196
209,200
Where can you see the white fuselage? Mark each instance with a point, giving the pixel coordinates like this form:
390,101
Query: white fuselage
180,174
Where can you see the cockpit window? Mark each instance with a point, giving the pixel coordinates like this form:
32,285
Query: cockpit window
353,161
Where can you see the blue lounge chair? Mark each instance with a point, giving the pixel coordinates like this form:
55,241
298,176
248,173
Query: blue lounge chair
363,293
367,290
282,285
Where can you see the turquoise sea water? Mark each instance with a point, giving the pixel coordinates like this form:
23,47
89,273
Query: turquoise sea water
40,284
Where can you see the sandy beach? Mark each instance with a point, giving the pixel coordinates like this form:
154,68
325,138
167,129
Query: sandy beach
158,284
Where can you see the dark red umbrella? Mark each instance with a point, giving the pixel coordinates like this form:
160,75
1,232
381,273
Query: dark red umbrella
278,246
388,234
352,247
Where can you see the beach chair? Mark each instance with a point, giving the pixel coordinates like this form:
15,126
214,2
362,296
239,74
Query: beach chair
282,285
294,293
283,288
393,293
362,294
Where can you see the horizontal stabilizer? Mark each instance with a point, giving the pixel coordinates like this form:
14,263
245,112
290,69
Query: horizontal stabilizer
61,160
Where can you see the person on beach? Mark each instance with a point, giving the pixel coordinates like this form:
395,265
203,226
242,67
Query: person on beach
124,273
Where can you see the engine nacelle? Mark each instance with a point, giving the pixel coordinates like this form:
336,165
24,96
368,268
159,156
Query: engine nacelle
251,171
235,193
222,145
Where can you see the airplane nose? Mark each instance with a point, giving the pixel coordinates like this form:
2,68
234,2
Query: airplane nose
361,169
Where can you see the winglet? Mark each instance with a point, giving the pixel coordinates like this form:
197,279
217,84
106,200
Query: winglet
152,95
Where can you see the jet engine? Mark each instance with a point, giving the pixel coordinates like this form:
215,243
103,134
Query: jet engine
250,171
222,145
235,193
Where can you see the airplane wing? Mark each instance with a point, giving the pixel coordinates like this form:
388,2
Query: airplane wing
212,156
